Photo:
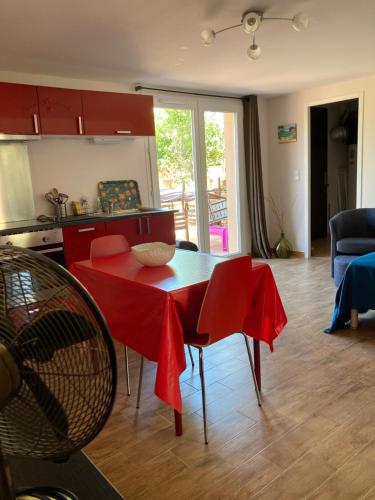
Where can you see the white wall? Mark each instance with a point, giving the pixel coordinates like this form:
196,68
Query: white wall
76,165
287,168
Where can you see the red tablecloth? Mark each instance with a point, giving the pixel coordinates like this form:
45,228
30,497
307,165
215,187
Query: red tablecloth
148,308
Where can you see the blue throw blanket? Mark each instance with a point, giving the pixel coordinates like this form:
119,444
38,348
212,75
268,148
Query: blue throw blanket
356,291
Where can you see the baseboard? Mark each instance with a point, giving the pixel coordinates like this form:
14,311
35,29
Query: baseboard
295,253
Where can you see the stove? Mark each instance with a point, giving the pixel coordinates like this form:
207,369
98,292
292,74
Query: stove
48,242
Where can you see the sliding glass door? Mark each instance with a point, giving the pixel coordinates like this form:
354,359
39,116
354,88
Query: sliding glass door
222,181
176,168
196,170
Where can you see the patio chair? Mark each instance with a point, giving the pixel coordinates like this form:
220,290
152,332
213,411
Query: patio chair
105,246
218,218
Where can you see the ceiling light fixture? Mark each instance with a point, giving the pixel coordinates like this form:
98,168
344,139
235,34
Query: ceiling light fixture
250,23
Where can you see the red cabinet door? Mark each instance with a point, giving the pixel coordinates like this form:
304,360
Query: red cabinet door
131,228
60,111
77,241
159,228
109,113
18,109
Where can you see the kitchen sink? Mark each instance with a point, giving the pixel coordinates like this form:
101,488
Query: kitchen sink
126,212
119,213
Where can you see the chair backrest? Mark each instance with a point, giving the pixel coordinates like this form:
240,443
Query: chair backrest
358,222
187,245
227,300
108,245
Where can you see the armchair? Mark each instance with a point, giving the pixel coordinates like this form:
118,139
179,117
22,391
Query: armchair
352,234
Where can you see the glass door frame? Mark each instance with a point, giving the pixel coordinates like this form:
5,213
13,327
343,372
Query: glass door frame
198,105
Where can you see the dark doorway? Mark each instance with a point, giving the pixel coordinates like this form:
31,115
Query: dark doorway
319,139
333,160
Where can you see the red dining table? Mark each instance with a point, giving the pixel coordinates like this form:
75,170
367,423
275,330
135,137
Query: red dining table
148,308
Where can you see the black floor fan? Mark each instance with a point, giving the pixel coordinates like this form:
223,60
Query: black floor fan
57,366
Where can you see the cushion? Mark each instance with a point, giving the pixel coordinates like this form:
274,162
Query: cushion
356,246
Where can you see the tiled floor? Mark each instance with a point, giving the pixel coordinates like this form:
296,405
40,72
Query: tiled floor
314,436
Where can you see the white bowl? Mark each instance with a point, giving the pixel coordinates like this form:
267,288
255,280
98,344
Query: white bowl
153,254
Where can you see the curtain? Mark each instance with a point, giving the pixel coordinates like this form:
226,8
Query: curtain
253,164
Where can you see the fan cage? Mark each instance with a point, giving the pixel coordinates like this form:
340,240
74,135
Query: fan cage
61,344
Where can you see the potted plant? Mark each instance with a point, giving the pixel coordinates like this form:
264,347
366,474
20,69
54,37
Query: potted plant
283,247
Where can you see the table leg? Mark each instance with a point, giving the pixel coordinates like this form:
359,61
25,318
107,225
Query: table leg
178,423
257,363
354,319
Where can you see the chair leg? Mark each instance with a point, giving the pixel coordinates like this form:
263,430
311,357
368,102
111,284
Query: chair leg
252,368
191,356
127,371
140,382
201,373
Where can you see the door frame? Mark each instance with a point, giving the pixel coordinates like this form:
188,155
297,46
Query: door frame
307,158
198,105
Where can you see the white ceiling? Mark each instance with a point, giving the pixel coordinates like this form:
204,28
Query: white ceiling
157,42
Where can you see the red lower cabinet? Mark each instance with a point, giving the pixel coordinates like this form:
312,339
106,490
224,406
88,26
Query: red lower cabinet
159,228
145,229
130,228
77,241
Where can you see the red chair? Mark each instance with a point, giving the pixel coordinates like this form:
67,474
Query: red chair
225,306
108,245
103,247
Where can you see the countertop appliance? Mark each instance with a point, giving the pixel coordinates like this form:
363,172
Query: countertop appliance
49,242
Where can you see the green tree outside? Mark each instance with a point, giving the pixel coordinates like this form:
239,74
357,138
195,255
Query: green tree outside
175,144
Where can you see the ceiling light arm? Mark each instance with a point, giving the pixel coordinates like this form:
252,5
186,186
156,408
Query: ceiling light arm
277,19
229,28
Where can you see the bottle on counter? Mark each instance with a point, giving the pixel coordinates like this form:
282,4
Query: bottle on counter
85,205
98,206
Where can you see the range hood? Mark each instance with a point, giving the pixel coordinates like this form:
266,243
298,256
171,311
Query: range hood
19,138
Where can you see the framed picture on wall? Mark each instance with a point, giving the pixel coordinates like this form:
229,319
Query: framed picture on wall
287,133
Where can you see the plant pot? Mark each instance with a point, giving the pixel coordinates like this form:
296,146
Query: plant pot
283,248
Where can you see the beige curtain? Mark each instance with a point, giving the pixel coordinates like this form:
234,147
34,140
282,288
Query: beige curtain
253,164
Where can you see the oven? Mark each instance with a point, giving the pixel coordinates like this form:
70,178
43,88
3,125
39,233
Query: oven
48,242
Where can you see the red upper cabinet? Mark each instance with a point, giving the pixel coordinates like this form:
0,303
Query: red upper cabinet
109,113
60,111
18,109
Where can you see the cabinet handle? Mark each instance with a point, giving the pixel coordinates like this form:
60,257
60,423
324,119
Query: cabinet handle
148,225
36,124
86,229
80,127
50,250
140,226
123,131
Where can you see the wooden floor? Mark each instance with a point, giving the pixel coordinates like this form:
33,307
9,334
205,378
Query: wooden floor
314,436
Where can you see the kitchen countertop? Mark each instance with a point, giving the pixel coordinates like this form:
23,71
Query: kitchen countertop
24,226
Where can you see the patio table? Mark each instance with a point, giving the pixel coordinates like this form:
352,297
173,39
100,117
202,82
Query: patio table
148,308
